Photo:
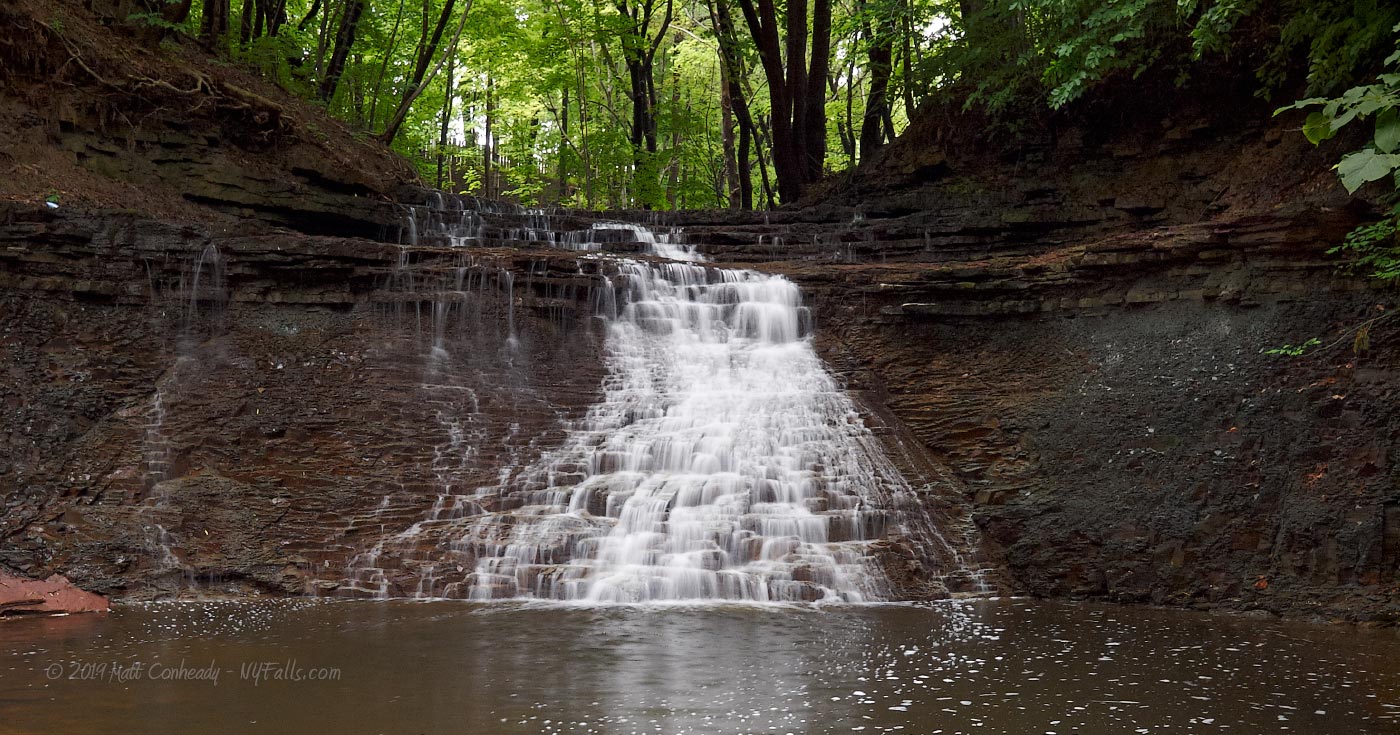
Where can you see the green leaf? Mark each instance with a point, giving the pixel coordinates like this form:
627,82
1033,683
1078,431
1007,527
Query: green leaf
1362,167
1300,104
1318,128
1388,130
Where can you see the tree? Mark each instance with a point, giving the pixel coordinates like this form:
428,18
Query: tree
422,73
344,40
796,90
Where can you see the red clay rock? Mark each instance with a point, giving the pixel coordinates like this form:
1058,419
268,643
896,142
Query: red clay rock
53,595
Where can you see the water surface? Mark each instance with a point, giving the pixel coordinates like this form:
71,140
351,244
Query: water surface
1006,666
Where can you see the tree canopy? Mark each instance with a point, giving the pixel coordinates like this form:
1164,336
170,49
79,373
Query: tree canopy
746,103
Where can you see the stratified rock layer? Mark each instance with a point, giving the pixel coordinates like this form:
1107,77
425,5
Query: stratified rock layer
244,413
1106,400
1098,397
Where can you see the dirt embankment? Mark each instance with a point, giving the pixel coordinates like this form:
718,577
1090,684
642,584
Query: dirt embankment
121,117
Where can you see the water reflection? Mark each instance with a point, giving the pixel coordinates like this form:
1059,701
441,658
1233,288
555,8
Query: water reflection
977,667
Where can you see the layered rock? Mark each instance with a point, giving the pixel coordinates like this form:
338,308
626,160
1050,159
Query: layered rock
1106,401
242,412
1085,378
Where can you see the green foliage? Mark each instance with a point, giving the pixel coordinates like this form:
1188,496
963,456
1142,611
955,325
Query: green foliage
1294,350
1375,248
1013,56
1109,40
1378,101
548,78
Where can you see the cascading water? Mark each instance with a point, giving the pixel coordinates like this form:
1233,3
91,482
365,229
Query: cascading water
723,462
202,296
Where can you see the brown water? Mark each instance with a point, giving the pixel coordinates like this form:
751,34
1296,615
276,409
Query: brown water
450,667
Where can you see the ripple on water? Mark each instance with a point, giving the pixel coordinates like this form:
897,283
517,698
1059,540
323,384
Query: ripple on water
1009,666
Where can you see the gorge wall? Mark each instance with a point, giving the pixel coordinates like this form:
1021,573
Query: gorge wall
223,374
1079,343
195,410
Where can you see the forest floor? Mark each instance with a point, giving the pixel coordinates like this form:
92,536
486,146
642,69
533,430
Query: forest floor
70,84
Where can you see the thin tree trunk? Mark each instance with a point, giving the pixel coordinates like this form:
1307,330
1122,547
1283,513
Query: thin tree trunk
344,40
877,104
422,74
446,116
357,93
674,179
848,138
563,149
764,139
583,134
331,14
734,73
726,132
384,66
486,144
310,15
745,169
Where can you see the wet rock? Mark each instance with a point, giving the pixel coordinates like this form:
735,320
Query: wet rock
53,595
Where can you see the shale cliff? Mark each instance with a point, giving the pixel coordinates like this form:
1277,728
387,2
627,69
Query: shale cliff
195,410
1078,339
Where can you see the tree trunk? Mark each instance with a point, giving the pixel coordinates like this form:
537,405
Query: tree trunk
797,95
763,139
310,15
563,149
847,131
245,23
639,55
177,12
446,117
726,134
422,75
330,15
213,24
734,73
384,66
344,40
814,114
277,16
486,145
881,55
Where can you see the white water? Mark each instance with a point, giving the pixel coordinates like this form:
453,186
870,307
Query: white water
723,462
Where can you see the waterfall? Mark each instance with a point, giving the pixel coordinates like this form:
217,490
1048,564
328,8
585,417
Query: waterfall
722,461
